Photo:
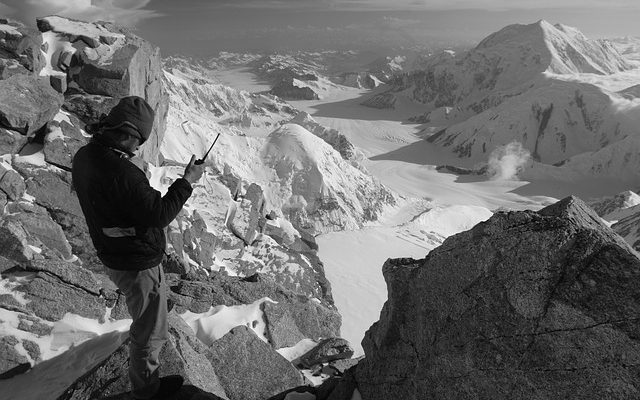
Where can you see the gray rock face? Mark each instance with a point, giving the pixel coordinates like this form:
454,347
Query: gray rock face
9,357
61,144
27,103
14,241
286,89
39,224
329,349
290,322
249,368
22,46
12,184
523,306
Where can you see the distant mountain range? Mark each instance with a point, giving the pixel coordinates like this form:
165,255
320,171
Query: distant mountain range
523,84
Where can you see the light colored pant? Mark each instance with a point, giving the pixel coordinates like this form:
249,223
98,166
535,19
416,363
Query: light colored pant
146,297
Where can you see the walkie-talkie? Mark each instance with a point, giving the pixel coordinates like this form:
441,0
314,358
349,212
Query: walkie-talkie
200,161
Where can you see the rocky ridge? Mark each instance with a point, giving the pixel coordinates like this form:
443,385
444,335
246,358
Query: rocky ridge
525,305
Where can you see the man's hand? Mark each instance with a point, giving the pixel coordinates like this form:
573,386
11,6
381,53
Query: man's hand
193,172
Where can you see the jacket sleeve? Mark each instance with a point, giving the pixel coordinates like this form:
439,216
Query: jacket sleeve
148,207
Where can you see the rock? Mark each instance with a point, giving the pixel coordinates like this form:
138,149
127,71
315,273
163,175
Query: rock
39,224
11,362
50,298
59,83
327,350
27,103
287,89
22,44
244,222
9,68
12,184
6,263
182,355
288,322
62,142
29,323
250,369
11,142
32,348
89,107
341,366
68,273
186,355
525,305
14,241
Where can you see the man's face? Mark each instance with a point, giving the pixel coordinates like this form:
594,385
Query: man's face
132,144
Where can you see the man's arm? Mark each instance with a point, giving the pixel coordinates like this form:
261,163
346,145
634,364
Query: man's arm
148,207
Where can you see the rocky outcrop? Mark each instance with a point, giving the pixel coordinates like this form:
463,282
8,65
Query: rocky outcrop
291,89
241,359
528,304
333,137
330,349
102,59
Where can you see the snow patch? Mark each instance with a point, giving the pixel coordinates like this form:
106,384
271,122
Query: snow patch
218,321
299,349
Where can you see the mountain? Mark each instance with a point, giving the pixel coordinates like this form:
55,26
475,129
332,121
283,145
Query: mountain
523,84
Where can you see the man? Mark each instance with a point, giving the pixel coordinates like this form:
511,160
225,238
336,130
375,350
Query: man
126,219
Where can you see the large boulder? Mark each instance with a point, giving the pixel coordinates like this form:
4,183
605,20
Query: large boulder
291,321
527,305
249,368
107,60
183,355
27,103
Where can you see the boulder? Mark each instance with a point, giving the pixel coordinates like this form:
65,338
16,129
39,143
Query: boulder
330,349
288,322
183,355
535,305
12,184
39,224
249,368
27,103
58,83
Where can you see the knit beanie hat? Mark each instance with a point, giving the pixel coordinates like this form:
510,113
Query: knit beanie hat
132,110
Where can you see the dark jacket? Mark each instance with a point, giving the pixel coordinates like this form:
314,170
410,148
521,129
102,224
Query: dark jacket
125,215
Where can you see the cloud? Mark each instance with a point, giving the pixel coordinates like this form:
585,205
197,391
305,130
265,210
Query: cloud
370,5
506,162
124,12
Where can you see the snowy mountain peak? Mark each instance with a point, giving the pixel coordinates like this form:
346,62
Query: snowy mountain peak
558,48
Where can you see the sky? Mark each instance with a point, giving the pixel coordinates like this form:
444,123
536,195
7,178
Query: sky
205,27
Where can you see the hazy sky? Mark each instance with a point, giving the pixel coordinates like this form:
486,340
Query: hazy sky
204,27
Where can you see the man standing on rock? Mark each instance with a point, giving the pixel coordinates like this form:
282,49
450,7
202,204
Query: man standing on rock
126,219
